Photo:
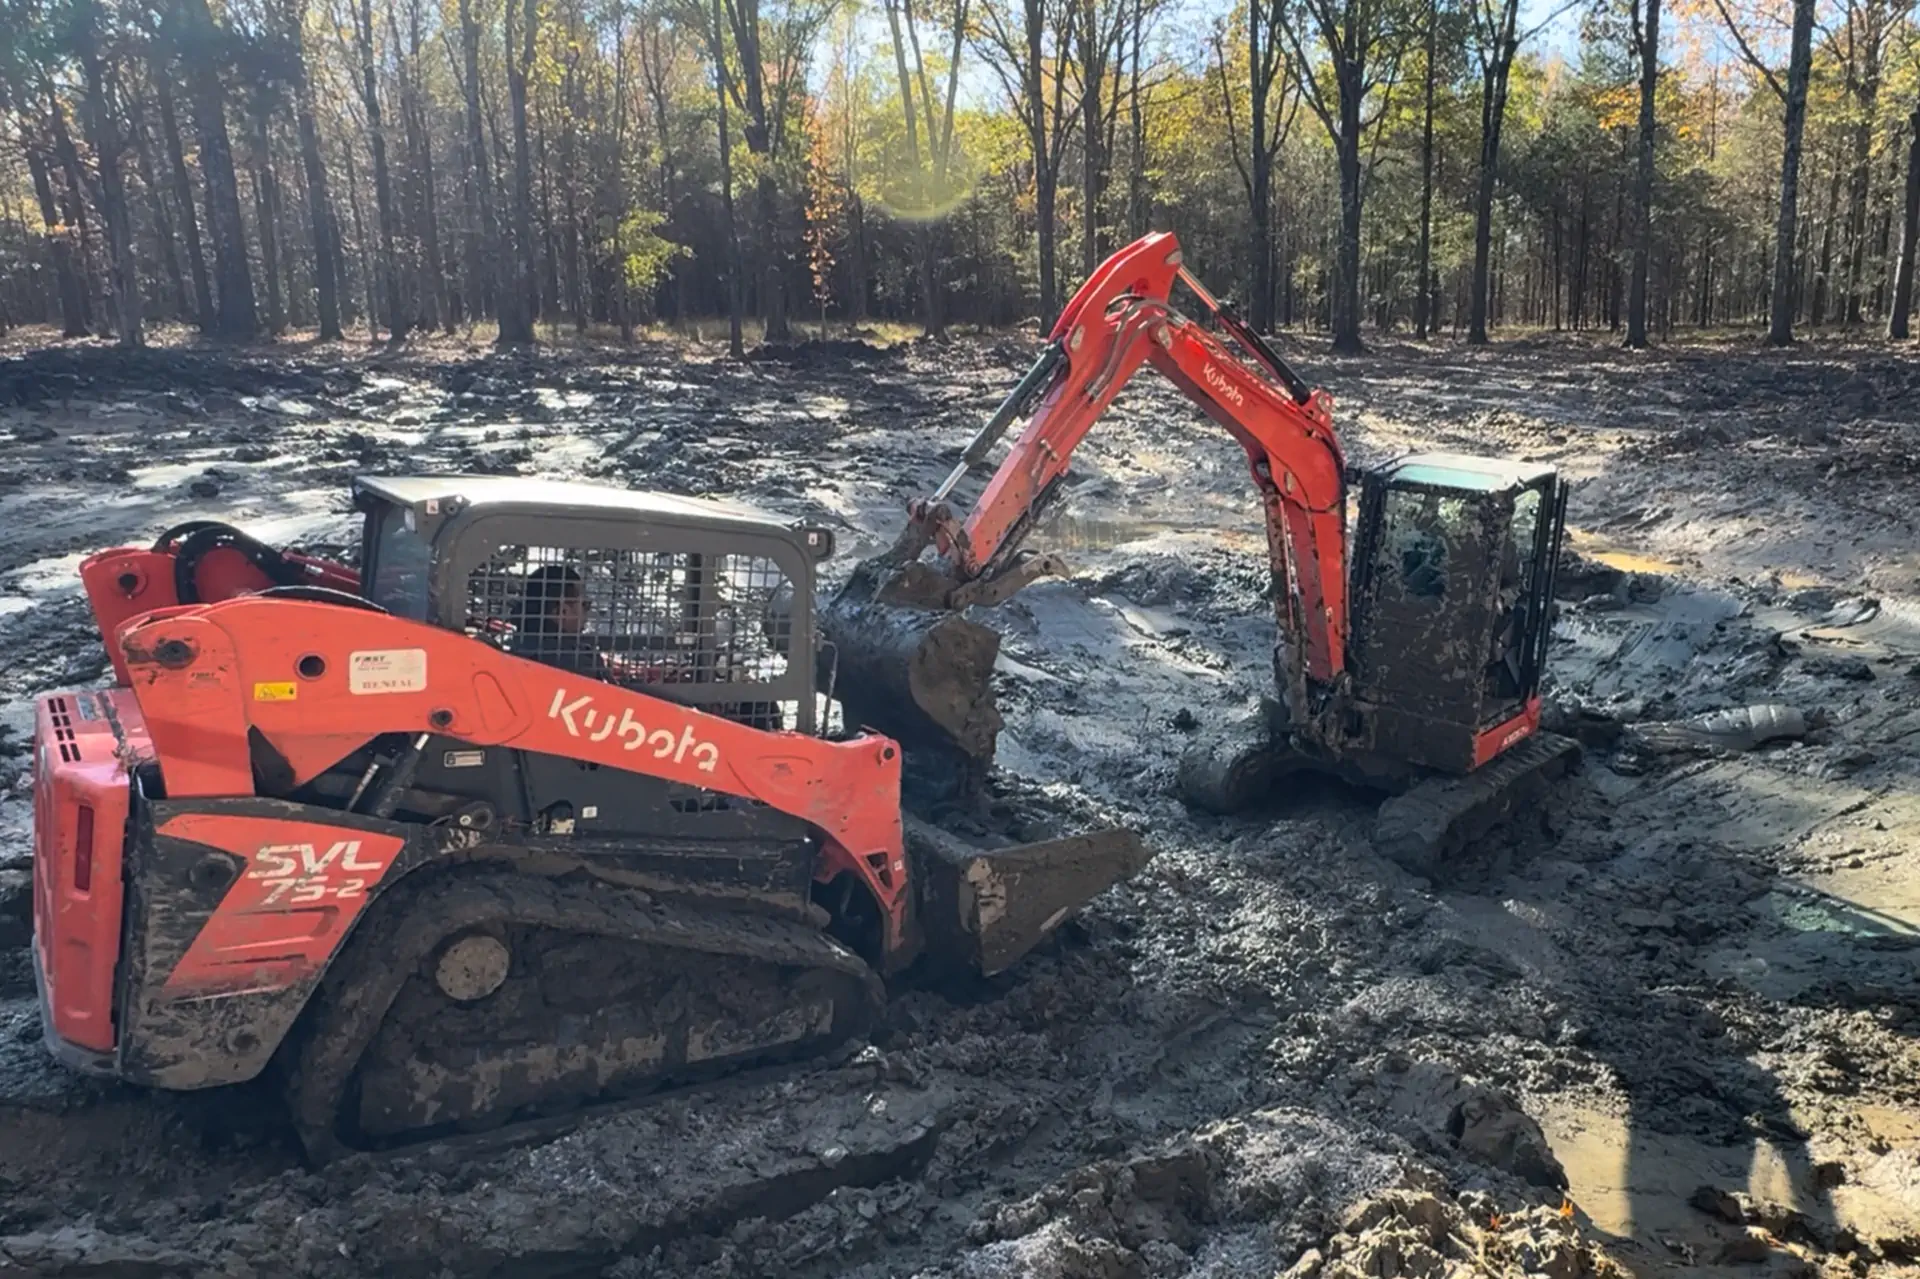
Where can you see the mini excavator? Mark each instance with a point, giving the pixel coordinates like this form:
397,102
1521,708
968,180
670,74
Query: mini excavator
529,810
1410,647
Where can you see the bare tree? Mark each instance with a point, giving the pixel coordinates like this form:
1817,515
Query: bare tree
1364,41
1902,301
292,16
183,197
1426,306
203,52
1643,35
103,134
1028,49
59,245
1863,41
717,46
483,234
1782,299
1496,39
515,301
1269,121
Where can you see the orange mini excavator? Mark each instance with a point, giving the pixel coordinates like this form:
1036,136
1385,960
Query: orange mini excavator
529,810
1412,632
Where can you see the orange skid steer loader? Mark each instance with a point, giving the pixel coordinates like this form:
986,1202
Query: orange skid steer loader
530,810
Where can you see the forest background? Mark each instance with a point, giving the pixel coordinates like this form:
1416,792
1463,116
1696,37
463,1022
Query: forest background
522,168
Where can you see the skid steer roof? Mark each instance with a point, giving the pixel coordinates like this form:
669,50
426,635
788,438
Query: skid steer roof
1465,471
518,495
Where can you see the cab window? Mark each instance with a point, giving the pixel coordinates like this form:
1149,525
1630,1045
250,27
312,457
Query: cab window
401,560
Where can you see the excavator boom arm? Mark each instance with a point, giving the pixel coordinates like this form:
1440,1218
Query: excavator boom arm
1120,319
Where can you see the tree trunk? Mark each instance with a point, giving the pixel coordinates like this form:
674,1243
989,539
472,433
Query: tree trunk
1137,138
73,316
436,291
1901,303
360,238
156,203
1783,303
922,238
1093,73
735,306
1823,277
234,315
104,136
1493,110
1860,177
1345,309
266,202
773,295
382,180
73,201
1260,64
183,199
482,246
515,308
1643,179
1424,301
325,235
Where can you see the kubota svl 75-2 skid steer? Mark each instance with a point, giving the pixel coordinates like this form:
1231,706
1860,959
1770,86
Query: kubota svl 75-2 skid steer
1410,662
528,810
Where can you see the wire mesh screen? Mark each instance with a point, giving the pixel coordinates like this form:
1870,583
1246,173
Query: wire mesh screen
689,626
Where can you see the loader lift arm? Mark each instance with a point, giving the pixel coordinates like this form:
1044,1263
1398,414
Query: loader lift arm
1120,319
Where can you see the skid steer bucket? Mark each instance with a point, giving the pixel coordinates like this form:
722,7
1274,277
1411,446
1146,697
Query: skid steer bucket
987,907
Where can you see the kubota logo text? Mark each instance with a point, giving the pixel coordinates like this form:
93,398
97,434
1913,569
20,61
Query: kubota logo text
1220,383
598,726
301,873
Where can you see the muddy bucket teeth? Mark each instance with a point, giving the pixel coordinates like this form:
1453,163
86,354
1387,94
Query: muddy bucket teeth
987,907
1434,820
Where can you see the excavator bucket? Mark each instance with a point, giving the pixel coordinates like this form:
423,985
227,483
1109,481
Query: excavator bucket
903,664
986,907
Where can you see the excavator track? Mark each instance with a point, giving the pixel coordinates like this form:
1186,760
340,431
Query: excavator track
1435,819
478,999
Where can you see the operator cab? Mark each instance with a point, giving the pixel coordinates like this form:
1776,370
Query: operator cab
690,598
1453,560
708,604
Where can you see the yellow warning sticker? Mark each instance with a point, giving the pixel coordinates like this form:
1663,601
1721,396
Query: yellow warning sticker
275,692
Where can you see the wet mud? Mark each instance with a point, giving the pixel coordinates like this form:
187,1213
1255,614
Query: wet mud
1667,1023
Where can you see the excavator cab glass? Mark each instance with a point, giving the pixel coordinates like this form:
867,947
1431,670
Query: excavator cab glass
1453,574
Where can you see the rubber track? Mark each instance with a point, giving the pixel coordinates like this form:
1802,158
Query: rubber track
405,925
1434,819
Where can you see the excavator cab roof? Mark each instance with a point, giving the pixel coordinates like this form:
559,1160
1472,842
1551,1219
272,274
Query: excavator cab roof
1464,471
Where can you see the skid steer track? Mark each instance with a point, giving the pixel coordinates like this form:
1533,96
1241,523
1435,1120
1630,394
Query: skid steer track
1434,820
603,993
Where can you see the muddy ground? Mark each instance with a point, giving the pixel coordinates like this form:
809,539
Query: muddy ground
1668,1025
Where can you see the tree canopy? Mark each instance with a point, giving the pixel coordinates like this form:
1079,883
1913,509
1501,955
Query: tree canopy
255,167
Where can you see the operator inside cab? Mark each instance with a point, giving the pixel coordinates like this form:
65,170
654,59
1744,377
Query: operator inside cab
550,622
